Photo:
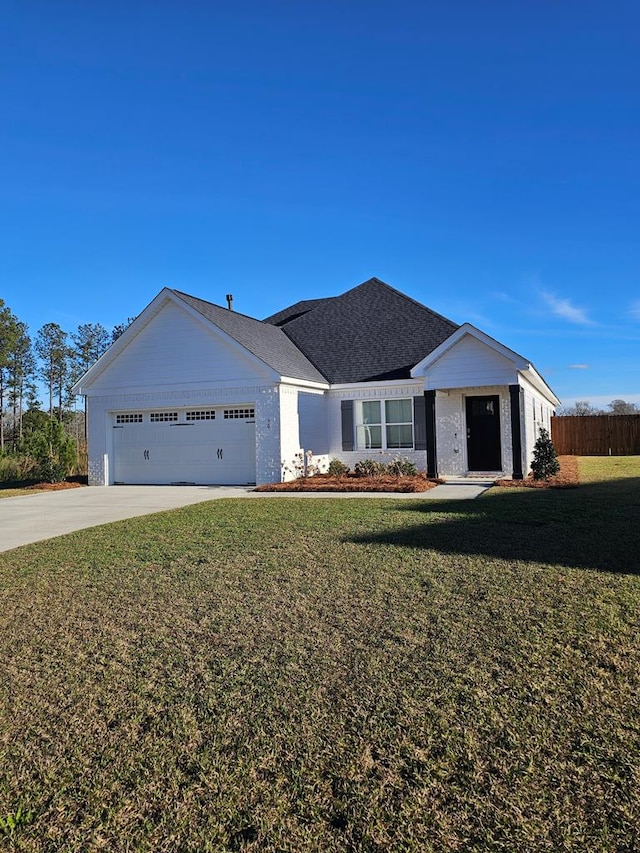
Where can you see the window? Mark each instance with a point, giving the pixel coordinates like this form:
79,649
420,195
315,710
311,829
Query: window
399,421
201,415
133,418
233,414
384,427
161,417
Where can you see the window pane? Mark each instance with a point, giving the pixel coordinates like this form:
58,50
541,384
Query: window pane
398,411
369,437
371,412
400,436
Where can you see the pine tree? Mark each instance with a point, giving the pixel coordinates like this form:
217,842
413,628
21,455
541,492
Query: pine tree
53,352
8,337
545,459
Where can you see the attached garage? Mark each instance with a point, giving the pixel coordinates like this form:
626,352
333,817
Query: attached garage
212,445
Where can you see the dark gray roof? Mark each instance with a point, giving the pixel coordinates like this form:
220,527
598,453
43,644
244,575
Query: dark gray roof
371,332
295,311
267,342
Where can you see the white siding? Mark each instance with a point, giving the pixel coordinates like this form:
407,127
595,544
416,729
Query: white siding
289,431
468,364
537,413
175,350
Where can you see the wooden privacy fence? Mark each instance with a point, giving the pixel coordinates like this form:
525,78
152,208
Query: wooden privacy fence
596,435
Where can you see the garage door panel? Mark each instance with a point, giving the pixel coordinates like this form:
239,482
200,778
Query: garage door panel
212,451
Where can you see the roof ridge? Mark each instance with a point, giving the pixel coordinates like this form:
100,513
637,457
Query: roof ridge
405,297
215,305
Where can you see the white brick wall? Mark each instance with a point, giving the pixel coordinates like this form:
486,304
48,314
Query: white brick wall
279,409
268,468
451,430
451,434
373,392
265,399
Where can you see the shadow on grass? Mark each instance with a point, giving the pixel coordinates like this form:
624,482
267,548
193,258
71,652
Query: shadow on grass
596,526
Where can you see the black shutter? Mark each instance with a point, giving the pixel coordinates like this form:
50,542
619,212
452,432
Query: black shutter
515,393
346,407
432,453
419,423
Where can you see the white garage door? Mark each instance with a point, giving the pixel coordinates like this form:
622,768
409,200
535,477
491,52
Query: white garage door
202,446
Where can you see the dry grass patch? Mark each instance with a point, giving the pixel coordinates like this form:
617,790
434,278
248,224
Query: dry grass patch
33,488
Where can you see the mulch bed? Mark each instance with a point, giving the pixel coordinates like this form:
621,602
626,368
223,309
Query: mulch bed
54,487
324,483
566,479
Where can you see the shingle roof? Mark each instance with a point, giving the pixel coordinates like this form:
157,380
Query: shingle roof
267,342
295,311
371,332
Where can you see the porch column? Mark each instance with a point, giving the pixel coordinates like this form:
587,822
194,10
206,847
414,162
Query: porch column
515,393
430,412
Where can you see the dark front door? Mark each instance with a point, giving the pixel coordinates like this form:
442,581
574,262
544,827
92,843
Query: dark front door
483,434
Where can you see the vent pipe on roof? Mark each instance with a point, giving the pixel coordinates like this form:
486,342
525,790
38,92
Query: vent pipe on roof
230,301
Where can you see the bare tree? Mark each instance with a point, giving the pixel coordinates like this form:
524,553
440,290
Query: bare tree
621,407
582,408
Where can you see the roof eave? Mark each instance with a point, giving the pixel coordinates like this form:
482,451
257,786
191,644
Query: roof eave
84,383
532,375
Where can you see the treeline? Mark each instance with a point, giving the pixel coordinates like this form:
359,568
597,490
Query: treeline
584,409
54,359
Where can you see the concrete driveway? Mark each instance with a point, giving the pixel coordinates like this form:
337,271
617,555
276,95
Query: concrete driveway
32,518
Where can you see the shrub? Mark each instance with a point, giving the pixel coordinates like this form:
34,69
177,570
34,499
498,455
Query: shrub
545,459
402,467
337,468
369,468
15,467
53,451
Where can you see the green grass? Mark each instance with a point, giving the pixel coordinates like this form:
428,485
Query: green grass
595,469
330,675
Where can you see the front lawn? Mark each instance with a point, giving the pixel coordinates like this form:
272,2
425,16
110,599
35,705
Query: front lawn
329,675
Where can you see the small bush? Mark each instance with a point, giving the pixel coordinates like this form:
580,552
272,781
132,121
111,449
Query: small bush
337,468
369,468
402,467
545,462
303,465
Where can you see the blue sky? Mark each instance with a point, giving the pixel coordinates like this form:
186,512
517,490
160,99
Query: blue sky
480,157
